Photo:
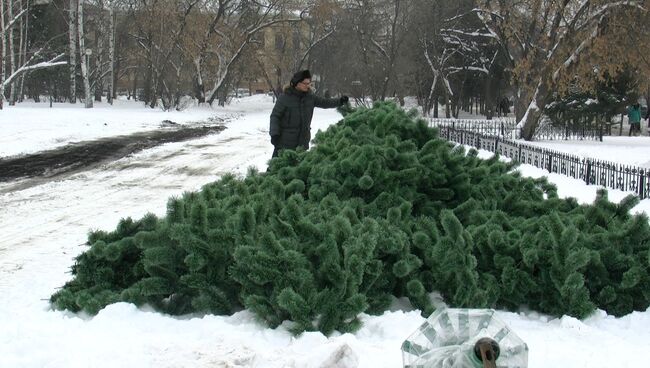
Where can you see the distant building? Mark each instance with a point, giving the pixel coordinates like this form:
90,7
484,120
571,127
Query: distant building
280,49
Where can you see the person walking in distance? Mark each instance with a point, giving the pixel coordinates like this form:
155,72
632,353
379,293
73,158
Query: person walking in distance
291,116
634,117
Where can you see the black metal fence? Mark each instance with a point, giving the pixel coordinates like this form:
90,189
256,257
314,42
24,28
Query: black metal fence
607,174
501,128
507,128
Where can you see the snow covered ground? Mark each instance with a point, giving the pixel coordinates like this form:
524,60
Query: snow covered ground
626,150
29,127
43,227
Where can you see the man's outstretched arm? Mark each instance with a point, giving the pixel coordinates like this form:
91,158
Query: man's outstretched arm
330,103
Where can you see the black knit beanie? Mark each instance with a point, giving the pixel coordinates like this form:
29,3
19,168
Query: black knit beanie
299,77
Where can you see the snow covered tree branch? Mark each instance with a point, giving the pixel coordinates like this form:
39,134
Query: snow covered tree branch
550,44
26,68
15,58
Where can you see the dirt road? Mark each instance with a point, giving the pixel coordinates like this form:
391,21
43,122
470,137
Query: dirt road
84,155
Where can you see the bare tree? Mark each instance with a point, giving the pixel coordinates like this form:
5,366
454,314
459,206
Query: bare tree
22,55
111,53
3,52
31,65
12,51
101,32
201,37
72,46
451,53
321,27
380,28
429,23
84,54
159,33
245,21
8,21
548,42
288,47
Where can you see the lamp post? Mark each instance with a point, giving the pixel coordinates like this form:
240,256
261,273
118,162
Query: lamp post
88,53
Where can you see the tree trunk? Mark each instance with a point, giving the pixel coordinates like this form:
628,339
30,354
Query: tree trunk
530,120
429,100
520,105
199,88
100,33
135,85
72,45
155,91
21,41
88,101
2,54
460,97
12,52
489,99
447,110
177,88
148,78
116,67
435,106
111,55
23,53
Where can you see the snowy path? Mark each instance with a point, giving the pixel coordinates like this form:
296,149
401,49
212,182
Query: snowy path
42,229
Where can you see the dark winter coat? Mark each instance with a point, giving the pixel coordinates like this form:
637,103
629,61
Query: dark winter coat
291,118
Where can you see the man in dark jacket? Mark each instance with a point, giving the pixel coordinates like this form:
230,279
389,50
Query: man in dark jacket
292,113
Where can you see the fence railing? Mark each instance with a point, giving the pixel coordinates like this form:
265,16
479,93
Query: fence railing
502,127
507,128
597,172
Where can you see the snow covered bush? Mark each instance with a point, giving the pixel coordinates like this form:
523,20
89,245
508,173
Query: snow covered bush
379,208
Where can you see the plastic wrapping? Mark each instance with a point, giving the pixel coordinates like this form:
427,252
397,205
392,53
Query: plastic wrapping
448,339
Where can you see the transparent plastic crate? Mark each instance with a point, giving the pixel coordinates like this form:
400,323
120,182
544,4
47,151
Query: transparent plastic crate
448,339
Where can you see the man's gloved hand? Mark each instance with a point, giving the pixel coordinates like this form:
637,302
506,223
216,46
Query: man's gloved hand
344,99
275,139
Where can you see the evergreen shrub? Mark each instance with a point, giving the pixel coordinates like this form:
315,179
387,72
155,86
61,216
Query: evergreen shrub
380,208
